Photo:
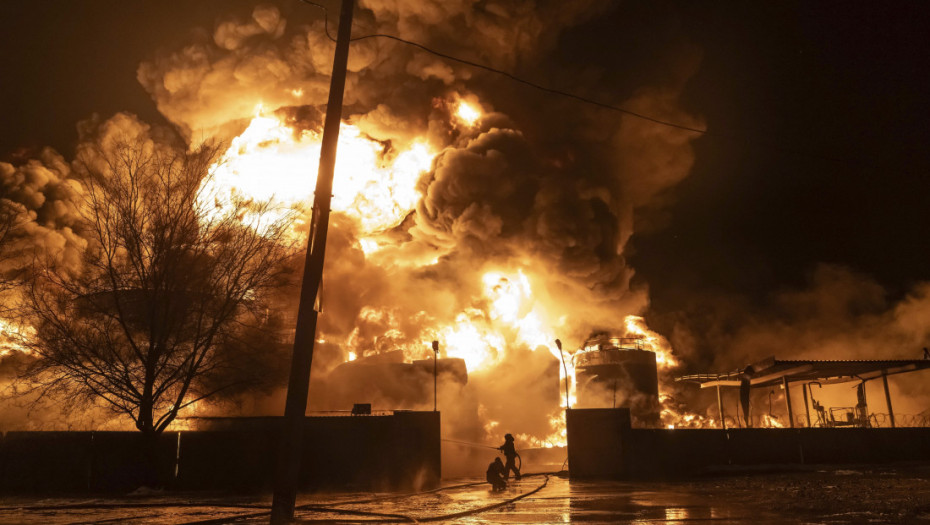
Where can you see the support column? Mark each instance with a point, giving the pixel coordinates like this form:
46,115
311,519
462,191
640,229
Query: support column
723,422
807,408
888,398
784,381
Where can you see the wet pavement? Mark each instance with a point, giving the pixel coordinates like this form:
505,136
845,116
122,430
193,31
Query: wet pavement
899,494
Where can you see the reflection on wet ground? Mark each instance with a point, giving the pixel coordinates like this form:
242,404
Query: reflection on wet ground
877,495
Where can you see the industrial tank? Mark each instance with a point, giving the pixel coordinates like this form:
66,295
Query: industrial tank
613,372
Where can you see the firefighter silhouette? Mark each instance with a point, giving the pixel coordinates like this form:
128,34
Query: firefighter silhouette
511,454
495,475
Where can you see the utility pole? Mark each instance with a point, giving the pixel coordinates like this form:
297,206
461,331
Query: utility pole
289,452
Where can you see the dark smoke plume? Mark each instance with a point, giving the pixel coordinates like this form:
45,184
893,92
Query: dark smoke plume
540,184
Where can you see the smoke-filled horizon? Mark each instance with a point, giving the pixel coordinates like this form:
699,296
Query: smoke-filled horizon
516,234
511,239
540,218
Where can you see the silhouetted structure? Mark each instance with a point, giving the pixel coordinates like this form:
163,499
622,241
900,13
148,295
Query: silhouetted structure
603,445
392,452
615,372
773,372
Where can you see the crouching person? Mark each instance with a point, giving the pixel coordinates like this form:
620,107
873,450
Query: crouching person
495,475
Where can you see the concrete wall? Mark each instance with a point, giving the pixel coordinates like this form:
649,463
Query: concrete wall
81,461
597,441
601,445
398,452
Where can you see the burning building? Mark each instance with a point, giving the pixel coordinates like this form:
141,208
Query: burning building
458,215
618,372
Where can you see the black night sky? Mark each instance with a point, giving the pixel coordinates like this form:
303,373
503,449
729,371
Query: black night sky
818,115
819,150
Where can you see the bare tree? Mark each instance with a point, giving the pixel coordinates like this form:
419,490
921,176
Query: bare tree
170,281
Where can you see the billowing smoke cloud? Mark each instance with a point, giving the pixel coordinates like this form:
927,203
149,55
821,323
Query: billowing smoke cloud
39,202
839,314
39,224
213,81
547,190
552,194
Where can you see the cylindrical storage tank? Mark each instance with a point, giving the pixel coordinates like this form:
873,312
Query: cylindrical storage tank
614,373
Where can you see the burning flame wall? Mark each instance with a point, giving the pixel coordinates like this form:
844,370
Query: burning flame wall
468,209
457,222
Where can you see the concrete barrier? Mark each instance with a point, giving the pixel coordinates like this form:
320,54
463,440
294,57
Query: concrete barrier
396,452
598,441
57,461
601,444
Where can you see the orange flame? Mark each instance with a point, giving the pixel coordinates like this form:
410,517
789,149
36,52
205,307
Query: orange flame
771,422
652,341
272,161
13,338
377,187
467,113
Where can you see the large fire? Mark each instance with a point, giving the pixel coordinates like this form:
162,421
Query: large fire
272,161
467,113
13,336
375,183
636,327
377,186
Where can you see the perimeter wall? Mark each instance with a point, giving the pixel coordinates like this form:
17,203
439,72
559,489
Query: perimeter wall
396,452
602,444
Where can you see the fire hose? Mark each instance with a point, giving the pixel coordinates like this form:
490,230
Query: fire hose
399,518
320,507
470,444
331,507
379,517
479,445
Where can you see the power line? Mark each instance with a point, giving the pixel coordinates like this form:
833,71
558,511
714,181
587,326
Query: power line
853,163
509,75
537,86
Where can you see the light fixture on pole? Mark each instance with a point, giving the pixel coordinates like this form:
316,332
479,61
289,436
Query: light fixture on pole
558,343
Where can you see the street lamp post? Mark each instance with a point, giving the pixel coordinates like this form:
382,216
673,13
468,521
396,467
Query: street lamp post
435,370
558,343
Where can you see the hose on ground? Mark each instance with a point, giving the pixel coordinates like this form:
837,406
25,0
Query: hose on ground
400,518
332,507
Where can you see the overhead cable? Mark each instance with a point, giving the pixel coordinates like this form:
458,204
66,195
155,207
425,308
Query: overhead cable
509,75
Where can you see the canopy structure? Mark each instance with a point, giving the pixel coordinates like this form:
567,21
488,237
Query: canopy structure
772,371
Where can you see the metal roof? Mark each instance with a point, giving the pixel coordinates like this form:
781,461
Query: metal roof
773,371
